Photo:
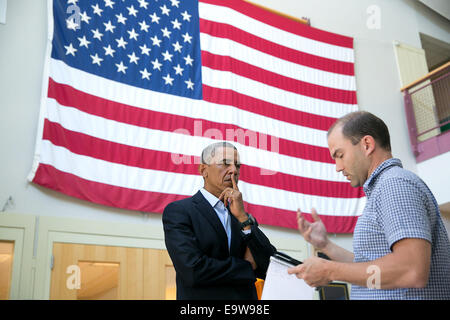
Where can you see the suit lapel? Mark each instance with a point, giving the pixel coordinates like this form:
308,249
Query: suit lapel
205,209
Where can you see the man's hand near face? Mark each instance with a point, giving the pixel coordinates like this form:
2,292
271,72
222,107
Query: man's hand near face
233,198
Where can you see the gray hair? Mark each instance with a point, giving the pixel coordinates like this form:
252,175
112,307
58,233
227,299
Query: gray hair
210,151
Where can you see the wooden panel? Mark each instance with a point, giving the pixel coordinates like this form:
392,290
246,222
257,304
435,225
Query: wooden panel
155,275
142,273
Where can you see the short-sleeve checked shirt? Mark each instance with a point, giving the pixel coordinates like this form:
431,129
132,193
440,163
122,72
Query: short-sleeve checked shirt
400,205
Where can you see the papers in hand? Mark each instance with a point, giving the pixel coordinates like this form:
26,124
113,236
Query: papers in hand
279,285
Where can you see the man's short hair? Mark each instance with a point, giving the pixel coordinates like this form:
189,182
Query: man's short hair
210,151
358,124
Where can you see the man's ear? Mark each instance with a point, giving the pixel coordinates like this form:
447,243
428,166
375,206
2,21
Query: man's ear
368,144
202,170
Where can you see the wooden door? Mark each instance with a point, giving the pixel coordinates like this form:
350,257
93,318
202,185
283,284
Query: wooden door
89,272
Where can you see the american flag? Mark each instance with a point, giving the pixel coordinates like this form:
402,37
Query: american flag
134,90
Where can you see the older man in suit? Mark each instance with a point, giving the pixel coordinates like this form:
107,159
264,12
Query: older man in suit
216,247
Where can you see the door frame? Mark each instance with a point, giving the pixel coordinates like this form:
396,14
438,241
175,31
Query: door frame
20,229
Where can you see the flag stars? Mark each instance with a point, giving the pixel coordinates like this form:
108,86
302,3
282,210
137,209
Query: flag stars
109,51
186,16
165,10
133,34
186,37
70,50
177,46
167,56
154,17
168,79
189,84
84,17
133,58
132,11
143,4
71,25
96,59
144,26
156,41
188,60
109,3
97,34
145,74
178,70
109,26
156,65
176,24
121,67
84,42
121,43
121,18
175,3
166,33
97,10
145,50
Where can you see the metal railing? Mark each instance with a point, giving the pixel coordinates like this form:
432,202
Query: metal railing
427,107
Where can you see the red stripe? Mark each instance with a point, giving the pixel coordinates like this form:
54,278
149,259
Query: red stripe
69,96
83,144
226,31
267,109
105,194
147,201
288,219
283,23
226,63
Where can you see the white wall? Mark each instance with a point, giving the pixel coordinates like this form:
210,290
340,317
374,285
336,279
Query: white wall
22,49
436,174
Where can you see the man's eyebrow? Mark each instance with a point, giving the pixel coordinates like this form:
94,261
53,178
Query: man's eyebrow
334,153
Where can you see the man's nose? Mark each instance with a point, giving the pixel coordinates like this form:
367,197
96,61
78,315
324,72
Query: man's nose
339,167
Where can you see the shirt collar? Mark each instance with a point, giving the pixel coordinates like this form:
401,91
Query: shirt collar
212,199
373,177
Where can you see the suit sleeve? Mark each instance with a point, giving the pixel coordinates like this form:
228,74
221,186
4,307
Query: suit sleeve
261,250
191,264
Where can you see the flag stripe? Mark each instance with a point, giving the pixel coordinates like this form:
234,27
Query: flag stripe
222,30
184,184
262,57
244,15
236,67
148,201
68,96
122,93
83,144
182,142
270,110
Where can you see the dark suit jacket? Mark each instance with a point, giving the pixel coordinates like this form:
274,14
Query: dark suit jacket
197,244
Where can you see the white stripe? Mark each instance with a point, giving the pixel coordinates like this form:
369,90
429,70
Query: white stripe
183,184
135,96
186,144
197,109
226,47
229,16
231,81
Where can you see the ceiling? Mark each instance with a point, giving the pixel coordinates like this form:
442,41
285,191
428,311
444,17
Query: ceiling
437,52
440,6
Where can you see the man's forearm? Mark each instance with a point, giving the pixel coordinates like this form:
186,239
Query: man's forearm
337,253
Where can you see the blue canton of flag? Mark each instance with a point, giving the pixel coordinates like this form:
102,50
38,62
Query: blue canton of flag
148,44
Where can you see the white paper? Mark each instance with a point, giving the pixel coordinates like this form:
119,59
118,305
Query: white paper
279,285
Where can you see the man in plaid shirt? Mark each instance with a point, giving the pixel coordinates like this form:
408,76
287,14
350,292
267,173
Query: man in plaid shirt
401,249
